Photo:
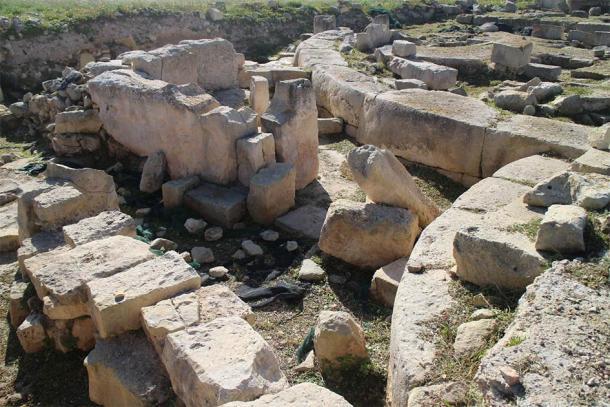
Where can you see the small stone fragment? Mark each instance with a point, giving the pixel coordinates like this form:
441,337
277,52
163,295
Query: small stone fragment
202,255
212,234
251,248
310,271
195,226
218,272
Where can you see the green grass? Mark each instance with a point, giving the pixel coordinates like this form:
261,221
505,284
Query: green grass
515,340
529,229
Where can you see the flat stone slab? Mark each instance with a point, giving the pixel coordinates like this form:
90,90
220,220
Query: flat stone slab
385,281
106,224
62,276
199,307
221,361
304,221
593,160
221,205
9,229
420,298
40,243
301,395
521,136
115,302
561,369
531,170
490,194
125,371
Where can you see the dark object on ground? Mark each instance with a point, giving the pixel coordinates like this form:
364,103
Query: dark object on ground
261,296
305,347
33,169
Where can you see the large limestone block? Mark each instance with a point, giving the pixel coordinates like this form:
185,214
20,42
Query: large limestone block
514,54
222,361
521,136
385,282
78,121
125,372
293,120
106,224
115,302
552,343
153,172
9,227
304,221
199,307
300,395
593,160
321,49
271,192
562,229
146,116
531,170
368,235
445,132
490,194
254,153
39,243
600,137
386,181
420,298
338,340
324,22
221,205
514,100
403,48
373,36
210,63
18,307
259,94
587,190
491,257
62,276
436,77
173,191
31,333
342,91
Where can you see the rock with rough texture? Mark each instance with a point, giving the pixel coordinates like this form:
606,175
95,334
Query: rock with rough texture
512,55
311,271
593,160
324,22
195,226
125,371
386,181
254,153
221,205
62,276
436,77
562,230
221,361
202,255
305,221
78,121
443,394
301,395
18,307
115,302
173,191
9,227
271,192
491,257
191,309
292,118
106,224
373,36
330,126
403,48
259,94
39,243
600,137
153,172
210,63
31,333
385,282
544,72
338,340
587,190
472,336
420,298
547,356
368,235
514,100
531,170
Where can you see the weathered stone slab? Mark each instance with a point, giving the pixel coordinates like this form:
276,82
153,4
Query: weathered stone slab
210,63
514,54
106,224
407,122
593,160
173,191
115,302
271,192
551,343
78,121
385,282
222,361
324,22
521,136
490,194
40,243
18,308
531,170
305,221
436,77
125,371
9,229
62,276
587,190
300,395
199,307
337,337
368,235
292,117
562,230
221,205
254,153
420,298
31,333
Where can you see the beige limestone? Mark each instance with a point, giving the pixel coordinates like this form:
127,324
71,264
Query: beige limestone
385,282
106,224
173,191
31,333
301,395
562,230
254,153
271,192
338,336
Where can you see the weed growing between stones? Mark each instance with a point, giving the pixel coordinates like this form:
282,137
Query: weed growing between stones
529,229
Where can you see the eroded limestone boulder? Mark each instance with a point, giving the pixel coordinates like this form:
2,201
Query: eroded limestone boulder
338,341
292,118
589,191
386,181
106,224
514,55
562,229
221,361
271,192
436,77
300,395
368,235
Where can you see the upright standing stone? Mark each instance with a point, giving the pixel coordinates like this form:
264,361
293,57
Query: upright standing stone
324,22
259,94
293,120
513,55
254,153
173,191
271,193
153,172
